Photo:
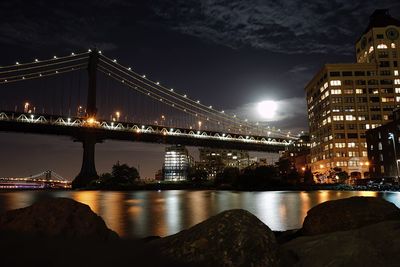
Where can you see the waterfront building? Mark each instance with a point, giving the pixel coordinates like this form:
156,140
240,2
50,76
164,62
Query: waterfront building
298,153
384,148
346,100
214,160
177,163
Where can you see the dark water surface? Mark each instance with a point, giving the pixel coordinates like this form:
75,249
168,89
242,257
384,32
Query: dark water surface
145,213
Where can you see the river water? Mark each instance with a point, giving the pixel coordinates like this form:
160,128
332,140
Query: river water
146,213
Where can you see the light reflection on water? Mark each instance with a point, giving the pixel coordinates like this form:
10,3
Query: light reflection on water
146,213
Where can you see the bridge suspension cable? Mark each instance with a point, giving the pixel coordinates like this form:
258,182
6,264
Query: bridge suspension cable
132,79
41,74
39,66
151,94
38,62
157,86
197,107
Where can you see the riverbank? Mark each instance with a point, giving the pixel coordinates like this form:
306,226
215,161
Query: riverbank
209,185
357,231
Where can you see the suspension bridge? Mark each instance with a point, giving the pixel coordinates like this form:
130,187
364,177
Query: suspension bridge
46,179
131,108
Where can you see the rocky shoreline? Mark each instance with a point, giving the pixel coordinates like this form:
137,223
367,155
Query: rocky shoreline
357,231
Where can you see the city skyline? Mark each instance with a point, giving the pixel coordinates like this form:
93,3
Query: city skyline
242,73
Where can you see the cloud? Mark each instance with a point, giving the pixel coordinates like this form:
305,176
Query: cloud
286,26
298,69
42,24
291,114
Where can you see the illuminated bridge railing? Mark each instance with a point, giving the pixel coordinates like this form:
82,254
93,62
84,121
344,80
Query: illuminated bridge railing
142,129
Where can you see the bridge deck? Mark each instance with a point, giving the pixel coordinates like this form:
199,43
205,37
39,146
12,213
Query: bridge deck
78,129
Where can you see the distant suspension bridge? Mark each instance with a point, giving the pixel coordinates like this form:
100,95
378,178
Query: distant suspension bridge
46,179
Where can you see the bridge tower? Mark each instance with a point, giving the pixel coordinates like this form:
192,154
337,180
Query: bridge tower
89,139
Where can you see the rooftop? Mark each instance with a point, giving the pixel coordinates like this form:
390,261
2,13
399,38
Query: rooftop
381,18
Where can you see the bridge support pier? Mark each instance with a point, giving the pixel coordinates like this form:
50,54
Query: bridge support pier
88,171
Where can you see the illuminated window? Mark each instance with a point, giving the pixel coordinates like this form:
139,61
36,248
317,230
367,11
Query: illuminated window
397,90
359,91
352,145
393,45
340,145
396,81
382,46
380,146
353,163
396,73
336,91
325,85
387,99
371,49
336,83
350,118
397,98
338,118
348,91
353,154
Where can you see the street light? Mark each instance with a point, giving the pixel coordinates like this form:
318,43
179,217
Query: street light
199,125
26,107
391,136
117,114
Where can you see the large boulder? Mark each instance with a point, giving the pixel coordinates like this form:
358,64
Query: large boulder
373,245
231,238
348,213
58,218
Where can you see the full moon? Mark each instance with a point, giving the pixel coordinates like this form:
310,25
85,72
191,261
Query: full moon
267,109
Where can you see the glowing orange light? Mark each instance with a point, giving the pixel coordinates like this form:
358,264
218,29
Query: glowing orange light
91,120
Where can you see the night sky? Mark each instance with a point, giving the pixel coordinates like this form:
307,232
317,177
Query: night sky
229,54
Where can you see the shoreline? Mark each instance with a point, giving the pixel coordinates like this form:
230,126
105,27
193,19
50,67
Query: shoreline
201,187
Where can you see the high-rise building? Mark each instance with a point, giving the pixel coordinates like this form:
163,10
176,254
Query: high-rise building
345,100
177,163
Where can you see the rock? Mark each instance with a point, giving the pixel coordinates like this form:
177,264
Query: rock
348,213
231,238
58,218
373,245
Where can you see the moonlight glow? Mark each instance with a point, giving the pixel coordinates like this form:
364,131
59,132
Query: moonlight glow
267,109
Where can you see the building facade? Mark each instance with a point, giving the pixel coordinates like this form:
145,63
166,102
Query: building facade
298,153
214,160
177,163
384,148
346,100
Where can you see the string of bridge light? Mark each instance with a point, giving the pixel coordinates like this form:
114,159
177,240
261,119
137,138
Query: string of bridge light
166,92
171,91
173,104
41,75
209,109
213,114
36,61
39,66
153,95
